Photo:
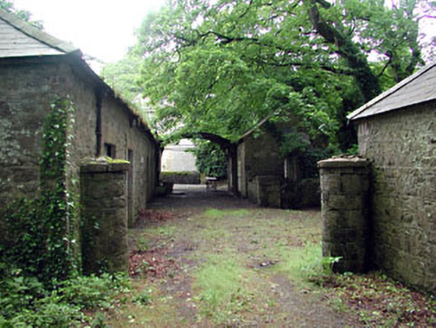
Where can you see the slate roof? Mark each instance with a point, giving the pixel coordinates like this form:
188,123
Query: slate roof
417,88
20,39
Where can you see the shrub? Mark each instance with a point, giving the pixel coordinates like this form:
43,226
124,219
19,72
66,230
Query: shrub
35,239
211,160
182,177
24,302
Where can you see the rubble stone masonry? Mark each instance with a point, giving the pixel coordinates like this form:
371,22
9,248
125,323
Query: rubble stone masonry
402,148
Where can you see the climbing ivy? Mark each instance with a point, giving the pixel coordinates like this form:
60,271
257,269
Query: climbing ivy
37,239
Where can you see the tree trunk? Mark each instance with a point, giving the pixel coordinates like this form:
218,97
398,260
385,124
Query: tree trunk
348,50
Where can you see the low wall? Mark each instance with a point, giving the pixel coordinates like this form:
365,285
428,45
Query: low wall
188,177
302,194
264,190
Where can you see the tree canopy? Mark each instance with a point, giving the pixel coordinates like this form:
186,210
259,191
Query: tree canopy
222,66
21,14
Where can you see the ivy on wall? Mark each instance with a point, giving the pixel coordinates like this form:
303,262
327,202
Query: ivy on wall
38,231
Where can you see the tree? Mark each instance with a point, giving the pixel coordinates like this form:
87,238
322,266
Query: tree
122,76
223,66
210,159
21,14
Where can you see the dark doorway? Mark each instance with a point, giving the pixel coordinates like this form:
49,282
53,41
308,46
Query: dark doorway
130,180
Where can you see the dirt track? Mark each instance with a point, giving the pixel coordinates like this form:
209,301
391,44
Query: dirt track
195,240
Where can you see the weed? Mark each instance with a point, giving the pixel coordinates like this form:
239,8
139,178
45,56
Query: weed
294,261
165,230
24,302
222,288
319,268
141,243
143,298
99,321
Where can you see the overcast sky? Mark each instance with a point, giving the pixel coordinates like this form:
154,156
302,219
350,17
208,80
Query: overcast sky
100,28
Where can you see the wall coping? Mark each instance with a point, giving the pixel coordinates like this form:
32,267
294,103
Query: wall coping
343,162
104,165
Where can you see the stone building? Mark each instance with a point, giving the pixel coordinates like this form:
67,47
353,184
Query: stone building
177,158
268,178
260,169
35,70
397,133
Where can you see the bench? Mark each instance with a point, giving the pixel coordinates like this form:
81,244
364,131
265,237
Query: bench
211,183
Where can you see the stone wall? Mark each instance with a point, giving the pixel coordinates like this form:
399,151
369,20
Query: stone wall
132,142
177,158
242,181
104,217
402,147
27,89
264,190
180,177
304,193
345,200
257,158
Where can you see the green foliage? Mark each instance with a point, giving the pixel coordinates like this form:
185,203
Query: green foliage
37,237
223,66
182,177
21,14
293,142
24,302
320,267
122,75
92,292
222,282
143,298
211,160
217,214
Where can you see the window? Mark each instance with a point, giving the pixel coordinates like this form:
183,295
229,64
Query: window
109,150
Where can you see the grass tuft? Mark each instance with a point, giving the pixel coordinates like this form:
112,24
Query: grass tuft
217,214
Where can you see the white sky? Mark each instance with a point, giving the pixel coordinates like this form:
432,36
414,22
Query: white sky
100,28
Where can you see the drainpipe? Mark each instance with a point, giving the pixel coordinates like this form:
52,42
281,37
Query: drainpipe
99,94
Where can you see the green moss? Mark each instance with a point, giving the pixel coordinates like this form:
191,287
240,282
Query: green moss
107,160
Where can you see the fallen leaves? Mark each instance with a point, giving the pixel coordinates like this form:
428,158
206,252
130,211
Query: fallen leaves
379,300
153,264
147,216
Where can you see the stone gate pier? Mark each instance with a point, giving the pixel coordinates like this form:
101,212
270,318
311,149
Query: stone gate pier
345,211
104,216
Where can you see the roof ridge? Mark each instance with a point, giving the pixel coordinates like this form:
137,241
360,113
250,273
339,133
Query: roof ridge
37,34
390,91
256,126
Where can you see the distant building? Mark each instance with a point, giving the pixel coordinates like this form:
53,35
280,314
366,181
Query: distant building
268,178
177,158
